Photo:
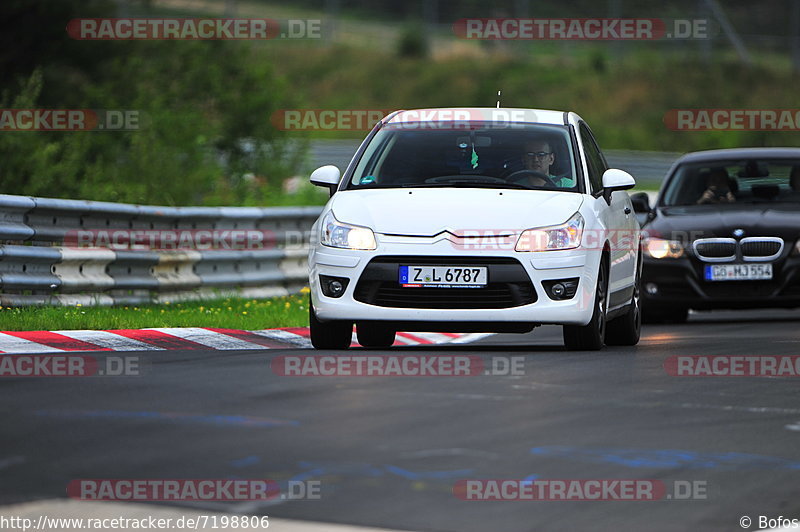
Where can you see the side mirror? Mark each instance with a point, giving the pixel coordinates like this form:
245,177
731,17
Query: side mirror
614,179
641,203
326,176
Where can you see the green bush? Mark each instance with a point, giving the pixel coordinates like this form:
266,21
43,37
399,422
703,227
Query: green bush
205,107
625,101
413,42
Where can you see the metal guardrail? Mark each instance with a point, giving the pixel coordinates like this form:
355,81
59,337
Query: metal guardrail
39,266
68,252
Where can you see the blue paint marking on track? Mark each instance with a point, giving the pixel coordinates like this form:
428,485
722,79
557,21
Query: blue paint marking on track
179,417
422,475
667,458
246,461
313,470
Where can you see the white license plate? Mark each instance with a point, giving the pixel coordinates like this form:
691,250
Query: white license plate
738,272
443,276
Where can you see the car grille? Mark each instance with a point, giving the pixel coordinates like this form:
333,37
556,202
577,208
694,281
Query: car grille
509,285
727,249
715,249
761,248
503,296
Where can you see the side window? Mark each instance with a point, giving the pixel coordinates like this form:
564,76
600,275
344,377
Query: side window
594,159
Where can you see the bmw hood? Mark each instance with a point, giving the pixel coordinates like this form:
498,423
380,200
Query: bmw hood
428,212
705,221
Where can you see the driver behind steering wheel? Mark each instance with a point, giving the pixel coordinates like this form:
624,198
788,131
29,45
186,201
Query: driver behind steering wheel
539,157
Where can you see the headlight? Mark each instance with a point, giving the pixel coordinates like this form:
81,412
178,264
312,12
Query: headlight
796,250
564,236
340,235
660,249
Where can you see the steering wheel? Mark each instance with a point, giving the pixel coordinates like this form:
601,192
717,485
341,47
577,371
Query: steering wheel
521,175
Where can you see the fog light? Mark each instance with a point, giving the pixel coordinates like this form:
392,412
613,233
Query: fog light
651,288
558,290
333,286
561,289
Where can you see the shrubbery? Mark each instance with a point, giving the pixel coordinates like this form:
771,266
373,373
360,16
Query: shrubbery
205,134
206,106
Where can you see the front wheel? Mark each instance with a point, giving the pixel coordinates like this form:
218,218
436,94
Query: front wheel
626,329
591,337
329,334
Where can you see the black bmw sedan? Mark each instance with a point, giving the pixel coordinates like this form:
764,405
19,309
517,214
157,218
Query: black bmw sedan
723,233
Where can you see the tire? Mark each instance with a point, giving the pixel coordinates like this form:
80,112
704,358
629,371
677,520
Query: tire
664,314
591,337
329,334
627,329
375,335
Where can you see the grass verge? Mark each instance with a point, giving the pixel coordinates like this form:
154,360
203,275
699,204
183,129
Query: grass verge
226,313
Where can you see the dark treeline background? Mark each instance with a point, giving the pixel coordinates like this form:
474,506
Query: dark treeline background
206,135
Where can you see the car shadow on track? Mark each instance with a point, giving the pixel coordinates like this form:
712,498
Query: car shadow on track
493,348
742,316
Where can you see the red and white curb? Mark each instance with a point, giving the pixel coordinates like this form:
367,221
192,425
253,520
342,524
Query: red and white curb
190,338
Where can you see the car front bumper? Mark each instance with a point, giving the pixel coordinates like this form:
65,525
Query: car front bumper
674,283
536,268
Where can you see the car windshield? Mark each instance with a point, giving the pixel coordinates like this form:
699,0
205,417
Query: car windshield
521,156
732,182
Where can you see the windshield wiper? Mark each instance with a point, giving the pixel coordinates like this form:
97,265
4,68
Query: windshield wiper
466,183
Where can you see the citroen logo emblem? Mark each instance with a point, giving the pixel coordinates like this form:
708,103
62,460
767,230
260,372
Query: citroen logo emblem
738,233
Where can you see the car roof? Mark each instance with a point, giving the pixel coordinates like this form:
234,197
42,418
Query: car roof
739,153
508,114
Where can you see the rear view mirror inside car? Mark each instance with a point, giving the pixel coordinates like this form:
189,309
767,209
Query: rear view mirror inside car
479,141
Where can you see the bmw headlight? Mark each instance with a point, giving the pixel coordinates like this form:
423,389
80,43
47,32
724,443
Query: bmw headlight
341,235
659,248
565,236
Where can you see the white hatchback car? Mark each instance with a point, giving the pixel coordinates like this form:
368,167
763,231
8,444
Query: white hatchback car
473,220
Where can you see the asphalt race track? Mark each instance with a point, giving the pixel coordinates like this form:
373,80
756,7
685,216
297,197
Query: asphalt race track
387,451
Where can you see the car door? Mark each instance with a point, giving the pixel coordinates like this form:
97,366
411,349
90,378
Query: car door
617,218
